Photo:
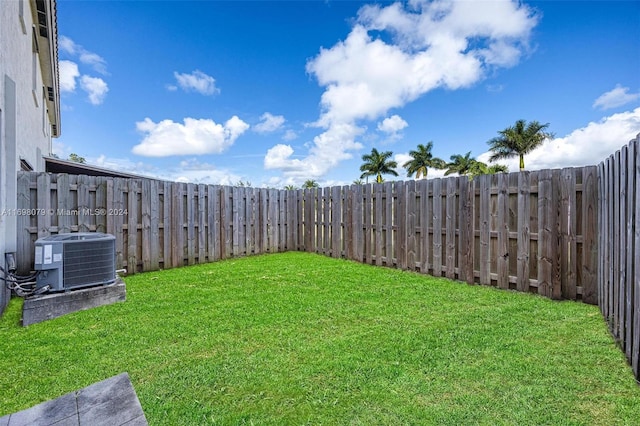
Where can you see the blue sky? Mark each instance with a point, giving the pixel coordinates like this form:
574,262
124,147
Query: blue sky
275,93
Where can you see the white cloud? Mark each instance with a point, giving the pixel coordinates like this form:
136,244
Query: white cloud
327,151
289,135
190,170
448,44
68,72
95,61
194,137
95,87
392,124
616,97
586,146
60,149
197,81
67,45
73,49
269,123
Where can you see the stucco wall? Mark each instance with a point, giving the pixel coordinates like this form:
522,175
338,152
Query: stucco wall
25,129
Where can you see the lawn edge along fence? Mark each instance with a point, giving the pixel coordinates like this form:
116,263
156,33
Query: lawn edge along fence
570,233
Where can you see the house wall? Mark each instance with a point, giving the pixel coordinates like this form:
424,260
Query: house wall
25,127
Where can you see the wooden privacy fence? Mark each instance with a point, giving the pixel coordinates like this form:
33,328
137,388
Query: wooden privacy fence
619,241
157,225
530,231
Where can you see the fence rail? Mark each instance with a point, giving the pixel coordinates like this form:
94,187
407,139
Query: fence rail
619,240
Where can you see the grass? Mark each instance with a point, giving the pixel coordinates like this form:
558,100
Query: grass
297,338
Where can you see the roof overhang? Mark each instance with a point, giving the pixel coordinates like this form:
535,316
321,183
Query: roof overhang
47,32
56,165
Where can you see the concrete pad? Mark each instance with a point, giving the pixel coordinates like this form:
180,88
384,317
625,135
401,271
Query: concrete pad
111,402
53,305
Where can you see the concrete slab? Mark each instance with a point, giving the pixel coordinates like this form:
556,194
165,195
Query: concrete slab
111,402
53,305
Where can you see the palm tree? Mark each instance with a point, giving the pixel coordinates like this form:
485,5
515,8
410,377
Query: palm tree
290,187
461,165
310,183
421,160
358,182
518,140
378,163
480,168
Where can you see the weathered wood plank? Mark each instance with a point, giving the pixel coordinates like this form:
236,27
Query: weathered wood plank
590,246
611,171
201,217
466,231
437,227
546,223
485,229
635,361
389,254
308,219
616,247
401,213
273,221
321,226
336,222
238,221
101,205
601,236
83,211
357,200
450,226
556,288
44,205
622,244
65,203
411,222
379,221
629,273
146,224
167,261
524,231
177,224
154,225
425,222
369,238
568,245
502,255
132,226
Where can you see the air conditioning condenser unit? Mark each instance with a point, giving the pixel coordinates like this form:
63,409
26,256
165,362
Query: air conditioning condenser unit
71,261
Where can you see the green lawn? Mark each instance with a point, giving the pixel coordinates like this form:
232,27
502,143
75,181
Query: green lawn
297,338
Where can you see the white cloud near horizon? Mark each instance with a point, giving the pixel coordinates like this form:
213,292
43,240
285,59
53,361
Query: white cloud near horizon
194,137
586,146
269,123
445,44
618,96
190,170
197,81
